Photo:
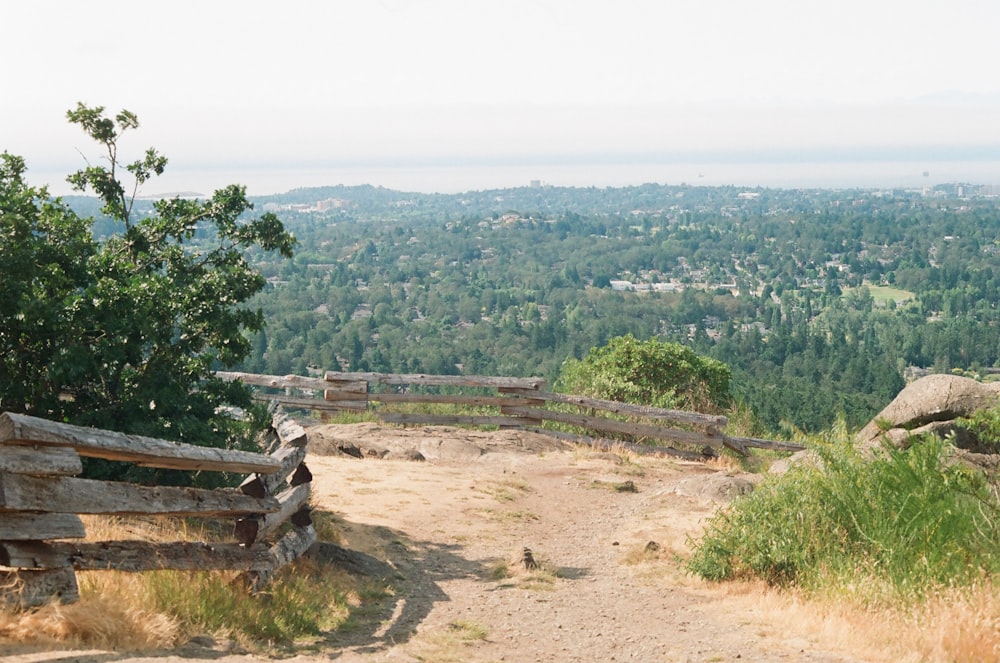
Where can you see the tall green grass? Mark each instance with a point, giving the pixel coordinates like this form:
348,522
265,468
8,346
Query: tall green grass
891,527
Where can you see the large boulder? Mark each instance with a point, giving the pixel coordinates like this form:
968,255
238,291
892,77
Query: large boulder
930,404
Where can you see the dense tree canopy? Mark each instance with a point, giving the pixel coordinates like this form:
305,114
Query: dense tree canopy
817,300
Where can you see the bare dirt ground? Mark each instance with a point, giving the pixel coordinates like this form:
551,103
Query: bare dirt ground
449,534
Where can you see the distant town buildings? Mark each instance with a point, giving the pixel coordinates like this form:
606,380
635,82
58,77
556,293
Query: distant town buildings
317,207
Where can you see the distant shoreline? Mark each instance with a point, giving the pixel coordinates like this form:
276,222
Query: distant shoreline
452,179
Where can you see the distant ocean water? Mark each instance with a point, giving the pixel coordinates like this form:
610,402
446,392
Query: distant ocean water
457,178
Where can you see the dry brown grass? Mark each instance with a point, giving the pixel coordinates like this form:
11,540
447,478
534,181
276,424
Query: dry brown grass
507,490
512,572
104,620
726,463
110,612
953,626
448,645
960,626
131,611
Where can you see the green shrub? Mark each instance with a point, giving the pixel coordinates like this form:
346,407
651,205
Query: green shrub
905,522
649,372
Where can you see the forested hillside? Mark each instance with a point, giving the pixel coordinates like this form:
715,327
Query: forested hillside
818,300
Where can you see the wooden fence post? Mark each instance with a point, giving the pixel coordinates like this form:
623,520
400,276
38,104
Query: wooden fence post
294,479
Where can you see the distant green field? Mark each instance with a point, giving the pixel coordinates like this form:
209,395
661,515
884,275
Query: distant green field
883,293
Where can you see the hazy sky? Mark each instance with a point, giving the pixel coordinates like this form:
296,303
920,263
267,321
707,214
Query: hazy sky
233,86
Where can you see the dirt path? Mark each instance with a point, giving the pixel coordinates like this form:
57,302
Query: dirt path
455,527
450,532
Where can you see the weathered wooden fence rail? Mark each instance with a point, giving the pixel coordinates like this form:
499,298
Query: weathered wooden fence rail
41,500
521,403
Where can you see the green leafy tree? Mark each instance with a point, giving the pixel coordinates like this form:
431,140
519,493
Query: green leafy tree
132,327
649,372
44,248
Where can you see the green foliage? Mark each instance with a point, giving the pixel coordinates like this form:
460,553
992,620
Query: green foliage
105,180
124,333
985,425
652,372
894,526
44,250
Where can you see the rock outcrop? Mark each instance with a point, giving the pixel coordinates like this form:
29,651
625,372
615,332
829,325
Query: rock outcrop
931,405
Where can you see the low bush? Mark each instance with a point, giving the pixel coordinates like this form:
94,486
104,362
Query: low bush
649,372
985,425
895,526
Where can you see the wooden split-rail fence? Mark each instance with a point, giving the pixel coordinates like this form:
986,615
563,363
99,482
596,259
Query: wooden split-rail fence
41,500
521,403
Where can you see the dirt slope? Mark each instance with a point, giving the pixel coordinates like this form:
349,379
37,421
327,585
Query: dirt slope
450,532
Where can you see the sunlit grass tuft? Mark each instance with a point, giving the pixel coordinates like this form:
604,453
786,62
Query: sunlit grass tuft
102,621
449,645
507,490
